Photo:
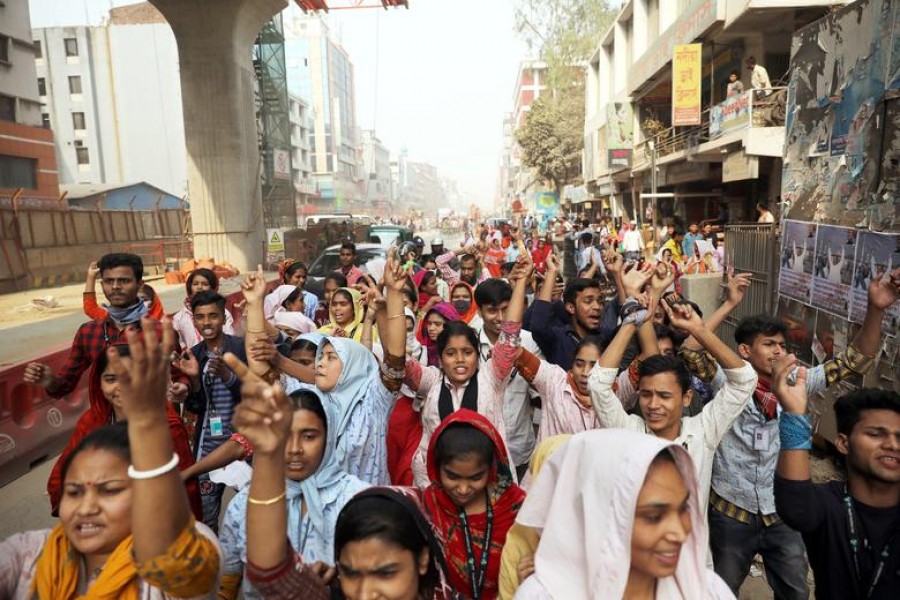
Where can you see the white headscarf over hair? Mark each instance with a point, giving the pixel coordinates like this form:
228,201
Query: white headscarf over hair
297,321
584,500
273,302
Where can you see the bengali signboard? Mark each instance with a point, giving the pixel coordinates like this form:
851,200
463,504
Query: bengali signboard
730,115
687,78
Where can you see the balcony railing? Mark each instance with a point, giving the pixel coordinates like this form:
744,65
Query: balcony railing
753,108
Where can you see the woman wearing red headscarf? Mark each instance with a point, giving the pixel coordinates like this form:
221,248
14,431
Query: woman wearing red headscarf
105,409
472,500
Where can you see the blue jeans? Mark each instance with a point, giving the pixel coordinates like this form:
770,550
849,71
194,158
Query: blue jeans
211,499
734,544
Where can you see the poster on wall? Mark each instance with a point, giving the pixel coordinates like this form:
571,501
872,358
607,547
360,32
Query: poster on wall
876,254
830,338
800,321
833,268
798,247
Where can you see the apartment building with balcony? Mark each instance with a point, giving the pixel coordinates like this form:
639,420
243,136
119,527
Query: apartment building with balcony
715,170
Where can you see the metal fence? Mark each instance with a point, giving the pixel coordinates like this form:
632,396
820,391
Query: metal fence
751,248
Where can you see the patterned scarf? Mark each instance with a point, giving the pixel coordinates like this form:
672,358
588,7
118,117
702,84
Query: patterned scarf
127,315
765,399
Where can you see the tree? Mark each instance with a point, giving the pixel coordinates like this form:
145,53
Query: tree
552,138
564,34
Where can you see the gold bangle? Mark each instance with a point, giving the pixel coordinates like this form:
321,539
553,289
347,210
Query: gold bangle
394,317
254,330
268,502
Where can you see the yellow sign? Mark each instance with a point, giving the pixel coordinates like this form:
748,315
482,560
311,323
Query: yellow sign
275,240
687,83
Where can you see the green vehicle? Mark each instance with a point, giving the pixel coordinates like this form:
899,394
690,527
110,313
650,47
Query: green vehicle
388,234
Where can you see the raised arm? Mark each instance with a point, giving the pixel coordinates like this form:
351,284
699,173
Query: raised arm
89,299
392,321
546,292
682,316
794,424
882,294
160,510
505,350
257,329
264,416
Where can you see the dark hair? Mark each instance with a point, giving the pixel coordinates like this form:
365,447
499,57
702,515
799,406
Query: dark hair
460,440
102,362
763,205
292,297
679,230
467,258
492,292
590,340
428,276
293,268
426,258
665,456
410,294
206,298
307,400
122,259
304,345
847,408
575,287
346,294
656,364
666,332
112,438
207,274
336,276
749,328
373,514
735,73
148,291
348,245
453,329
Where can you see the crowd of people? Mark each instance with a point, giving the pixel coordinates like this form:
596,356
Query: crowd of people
462,424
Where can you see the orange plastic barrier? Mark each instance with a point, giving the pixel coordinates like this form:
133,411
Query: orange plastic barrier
34,426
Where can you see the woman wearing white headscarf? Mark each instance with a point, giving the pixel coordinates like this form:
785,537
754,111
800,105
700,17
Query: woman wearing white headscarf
619,517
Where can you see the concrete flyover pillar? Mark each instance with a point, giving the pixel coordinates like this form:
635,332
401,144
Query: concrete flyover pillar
215,39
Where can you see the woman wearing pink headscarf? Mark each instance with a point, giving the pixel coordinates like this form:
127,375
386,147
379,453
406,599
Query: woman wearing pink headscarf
619,516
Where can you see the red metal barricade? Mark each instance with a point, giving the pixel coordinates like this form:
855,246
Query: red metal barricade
34,426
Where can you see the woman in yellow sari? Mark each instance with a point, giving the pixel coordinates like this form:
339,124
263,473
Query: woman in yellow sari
346,313
125,529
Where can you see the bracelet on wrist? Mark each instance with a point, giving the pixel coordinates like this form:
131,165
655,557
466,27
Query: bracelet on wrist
269,502
152,473
795,431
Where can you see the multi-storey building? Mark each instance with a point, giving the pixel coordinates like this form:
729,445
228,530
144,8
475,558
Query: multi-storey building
114,106
27,159
319,69
377,184
719,168
301,156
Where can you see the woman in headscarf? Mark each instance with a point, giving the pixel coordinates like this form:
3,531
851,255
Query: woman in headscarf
346,313
317,489
462,297
540,253
460,382
472,499
431,326
294,273
199,280
517,559
125,528
293,324
495,255
426,289
284,298
405,424
106,408
619,516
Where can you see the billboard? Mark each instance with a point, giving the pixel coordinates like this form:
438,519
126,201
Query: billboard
687,80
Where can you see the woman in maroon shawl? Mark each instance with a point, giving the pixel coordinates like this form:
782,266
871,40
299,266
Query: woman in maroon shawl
472,500
105,409
431,326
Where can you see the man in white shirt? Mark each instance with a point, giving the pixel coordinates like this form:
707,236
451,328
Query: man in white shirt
759,78
633,244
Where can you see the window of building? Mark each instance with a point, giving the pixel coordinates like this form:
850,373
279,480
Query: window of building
42,86
18,172
38,49
45,120
74,84
78,120
4,48
82,156
71,45
7,108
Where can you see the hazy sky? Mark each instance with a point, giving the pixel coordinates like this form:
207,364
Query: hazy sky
435,79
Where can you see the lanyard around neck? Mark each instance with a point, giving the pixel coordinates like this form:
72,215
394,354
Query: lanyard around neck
854,547
477,574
